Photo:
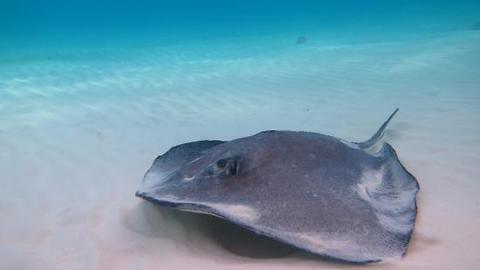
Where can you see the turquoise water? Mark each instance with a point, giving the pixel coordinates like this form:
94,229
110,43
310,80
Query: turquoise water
108,23
60,44
98,31
92,91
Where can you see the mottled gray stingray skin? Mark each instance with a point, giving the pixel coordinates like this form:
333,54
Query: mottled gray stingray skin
348,201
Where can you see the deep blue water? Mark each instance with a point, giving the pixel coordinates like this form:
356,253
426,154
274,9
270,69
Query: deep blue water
57,23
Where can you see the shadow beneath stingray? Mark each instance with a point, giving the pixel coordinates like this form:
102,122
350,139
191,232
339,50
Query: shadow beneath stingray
244,243
160,222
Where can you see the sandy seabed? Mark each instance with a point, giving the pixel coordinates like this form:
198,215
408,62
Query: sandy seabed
78,131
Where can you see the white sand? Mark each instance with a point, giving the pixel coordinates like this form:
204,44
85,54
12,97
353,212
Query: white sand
77,132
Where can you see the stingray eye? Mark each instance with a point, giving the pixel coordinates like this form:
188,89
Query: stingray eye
221,163
228,166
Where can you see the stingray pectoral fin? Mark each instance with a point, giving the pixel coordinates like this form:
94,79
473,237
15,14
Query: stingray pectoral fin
166,164
378,135
391,192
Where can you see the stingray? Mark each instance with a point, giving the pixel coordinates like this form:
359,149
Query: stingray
347,201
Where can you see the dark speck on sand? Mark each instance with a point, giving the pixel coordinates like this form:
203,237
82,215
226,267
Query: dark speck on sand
476,26
301,40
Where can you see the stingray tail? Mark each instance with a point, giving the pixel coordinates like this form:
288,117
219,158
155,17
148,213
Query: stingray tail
378,135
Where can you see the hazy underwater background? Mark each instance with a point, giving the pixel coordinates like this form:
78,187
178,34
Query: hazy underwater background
92,91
